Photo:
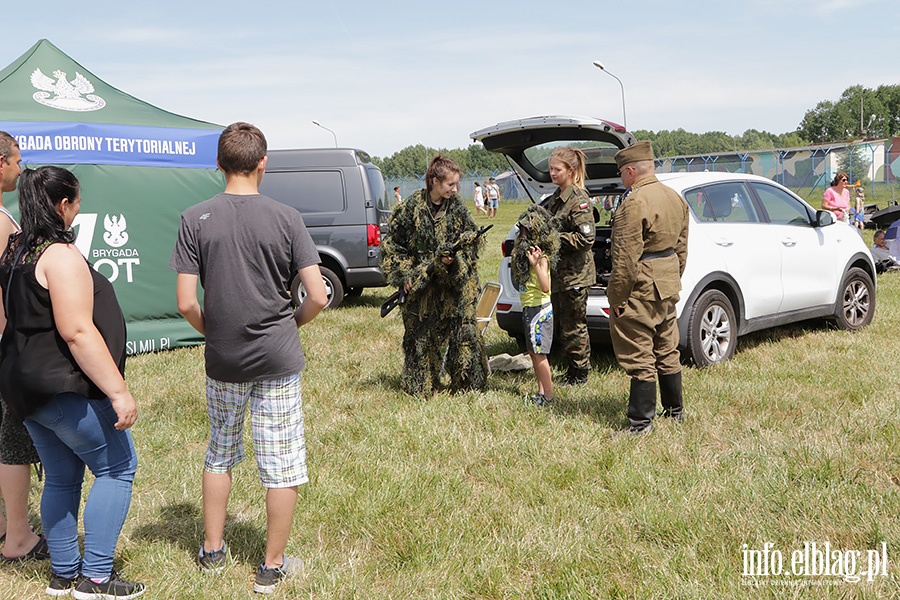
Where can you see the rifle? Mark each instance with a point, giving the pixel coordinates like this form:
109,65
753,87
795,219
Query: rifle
399,297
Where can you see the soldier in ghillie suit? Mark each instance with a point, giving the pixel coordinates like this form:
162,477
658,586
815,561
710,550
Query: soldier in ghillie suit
441,285
574,274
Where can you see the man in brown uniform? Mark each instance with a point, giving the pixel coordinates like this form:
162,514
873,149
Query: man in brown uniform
649,250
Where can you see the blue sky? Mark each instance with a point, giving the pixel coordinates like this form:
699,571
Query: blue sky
385,75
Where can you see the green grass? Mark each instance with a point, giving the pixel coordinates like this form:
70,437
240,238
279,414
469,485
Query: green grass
481,495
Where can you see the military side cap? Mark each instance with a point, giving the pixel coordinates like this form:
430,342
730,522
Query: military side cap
639,151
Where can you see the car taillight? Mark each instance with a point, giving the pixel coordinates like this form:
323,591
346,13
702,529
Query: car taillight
373,234
504,307
506,247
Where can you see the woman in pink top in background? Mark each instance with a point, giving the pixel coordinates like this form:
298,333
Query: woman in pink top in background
837,197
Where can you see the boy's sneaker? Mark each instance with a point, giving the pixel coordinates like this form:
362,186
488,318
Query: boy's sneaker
267,579
540,400
60,586
114,589
212,561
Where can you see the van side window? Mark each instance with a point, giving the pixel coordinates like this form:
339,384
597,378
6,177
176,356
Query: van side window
307,191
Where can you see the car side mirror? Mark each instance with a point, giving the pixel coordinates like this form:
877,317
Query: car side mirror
824,217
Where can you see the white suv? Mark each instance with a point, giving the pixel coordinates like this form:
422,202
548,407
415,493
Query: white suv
758,255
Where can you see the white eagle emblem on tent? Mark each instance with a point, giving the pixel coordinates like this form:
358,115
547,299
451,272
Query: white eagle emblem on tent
76,95
115,234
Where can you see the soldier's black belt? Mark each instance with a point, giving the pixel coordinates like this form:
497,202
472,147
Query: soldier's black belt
660,254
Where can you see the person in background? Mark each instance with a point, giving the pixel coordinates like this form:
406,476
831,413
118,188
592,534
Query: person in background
17,452
837,198
574,274
534,251
63,360
397,197
649,251
245,248
884,260
493,197
479,199
857,213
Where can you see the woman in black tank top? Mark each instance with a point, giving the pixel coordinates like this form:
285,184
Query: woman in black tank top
62,359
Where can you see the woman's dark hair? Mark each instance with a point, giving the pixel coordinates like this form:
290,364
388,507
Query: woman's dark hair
439,169
40,192
837,178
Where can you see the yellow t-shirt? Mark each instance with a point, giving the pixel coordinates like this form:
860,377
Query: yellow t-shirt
531,294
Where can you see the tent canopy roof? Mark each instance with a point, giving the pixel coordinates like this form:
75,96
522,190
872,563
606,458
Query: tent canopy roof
46,85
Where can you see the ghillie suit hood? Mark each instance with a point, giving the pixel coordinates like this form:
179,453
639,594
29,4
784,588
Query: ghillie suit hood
535,229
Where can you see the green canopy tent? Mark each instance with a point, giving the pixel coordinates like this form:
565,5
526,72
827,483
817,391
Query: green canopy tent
139,167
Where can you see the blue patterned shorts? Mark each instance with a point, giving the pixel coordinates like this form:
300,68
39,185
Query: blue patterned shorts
538,324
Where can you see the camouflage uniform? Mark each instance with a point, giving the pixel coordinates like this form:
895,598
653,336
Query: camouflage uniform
439,312
573,276
649,251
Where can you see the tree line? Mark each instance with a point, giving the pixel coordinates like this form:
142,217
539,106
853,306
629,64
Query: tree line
860,112
413,160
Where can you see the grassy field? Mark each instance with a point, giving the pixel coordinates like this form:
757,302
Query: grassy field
482,495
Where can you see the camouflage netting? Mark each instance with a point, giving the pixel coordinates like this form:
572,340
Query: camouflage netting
535,229
439,312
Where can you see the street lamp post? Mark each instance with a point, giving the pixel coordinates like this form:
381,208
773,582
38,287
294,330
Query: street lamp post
600,66
317,124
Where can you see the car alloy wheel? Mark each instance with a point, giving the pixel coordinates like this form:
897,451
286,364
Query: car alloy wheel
856,304
334,289
712,330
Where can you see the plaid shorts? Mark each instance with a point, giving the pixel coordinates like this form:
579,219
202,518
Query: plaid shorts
276,420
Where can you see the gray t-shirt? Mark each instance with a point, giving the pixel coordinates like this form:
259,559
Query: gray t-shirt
246,250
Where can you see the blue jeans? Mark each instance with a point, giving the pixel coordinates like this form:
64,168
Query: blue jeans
69,432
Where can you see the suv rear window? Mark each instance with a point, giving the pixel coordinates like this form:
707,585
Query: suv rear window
599,156
307,191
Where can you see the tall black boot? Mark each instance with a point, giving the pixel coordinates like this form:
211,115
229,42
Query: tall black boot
671,396
641,406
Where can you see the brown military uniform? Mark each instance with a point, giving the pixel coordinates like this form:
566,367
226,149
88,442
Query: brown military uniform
573,275
649,250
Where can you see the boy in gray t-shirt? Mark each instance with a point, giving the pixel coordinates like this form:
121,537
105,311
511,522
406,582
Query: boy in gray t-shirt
244,248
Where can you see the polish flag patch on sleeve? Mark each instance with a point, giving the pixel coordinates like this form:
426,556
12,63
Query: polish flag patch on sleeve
583,205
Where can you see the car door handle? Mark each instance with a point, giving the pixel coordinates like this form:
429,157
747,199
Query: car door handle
789,242
724,242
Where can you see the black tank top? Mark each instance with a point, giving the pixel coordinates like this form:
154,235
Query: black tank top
35,362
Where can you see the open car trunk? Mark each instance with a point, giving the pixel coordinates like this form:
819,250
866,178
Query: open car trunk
528,143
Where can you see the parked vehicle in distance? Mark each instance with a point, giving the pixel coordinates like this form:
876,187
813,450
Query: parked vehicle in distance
341,195
758,255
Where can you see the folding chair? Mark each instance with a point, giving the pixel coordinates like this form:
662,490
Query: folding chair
487,303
